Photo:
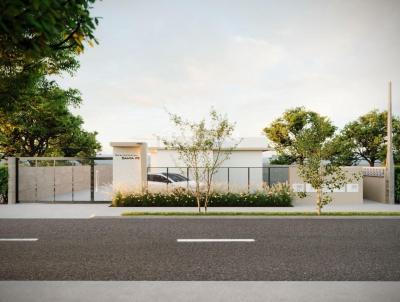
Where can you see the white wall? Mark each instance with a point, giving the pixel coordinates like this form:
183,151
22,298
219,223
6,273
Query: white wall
165,158
352,193
129,166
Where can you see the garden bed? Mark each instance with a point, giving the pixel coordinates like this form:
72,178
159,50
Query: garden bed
275,196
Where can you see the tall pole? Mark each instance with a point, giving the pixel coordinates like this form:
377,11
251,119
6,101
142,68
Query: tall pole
389,152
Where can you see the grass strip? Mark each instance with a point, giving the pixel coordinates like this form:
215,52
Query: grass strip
260,214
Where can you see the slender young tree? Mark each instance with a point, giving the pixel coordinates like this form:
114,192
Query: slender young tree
202,147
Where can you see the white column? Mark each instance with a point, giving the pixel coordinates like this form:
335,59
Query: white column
129,166
389,152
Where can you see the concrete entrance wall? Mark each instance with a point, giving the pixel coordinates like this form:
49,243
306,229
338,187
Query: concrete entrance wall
375,184
352,193
129,166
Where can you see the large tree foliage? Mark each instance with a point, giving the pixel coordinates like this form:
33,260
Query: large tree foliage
366,137
40,37
308,139
283,132
315,144
341,152
38,30
202,147
42,124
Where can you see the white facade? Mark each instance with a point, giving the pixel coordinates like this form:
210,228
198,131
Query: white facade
241,171
244,164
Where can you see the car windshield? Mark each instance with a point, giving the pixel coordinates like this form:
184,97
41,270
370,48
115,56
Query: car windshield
176,177
157,178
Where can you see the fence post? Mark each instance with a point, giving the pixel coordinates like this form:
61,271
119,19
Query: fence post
248,179
54,180
72,179
228,179
91,179
12,180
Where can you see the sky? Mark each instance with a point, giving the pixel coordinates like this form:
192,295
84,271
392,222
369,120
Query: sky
249,59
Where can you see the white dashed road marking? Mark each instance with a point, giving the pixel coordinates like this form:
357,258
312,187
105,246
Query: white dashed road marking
19,239
215,240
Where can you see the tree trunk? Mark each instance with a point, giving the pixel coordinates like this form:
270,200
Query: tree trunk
198,201
372,164
319,201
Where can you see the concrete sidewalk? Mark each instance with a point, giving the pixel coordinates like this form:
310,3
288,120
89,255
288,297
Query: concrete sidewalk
45,210
68,291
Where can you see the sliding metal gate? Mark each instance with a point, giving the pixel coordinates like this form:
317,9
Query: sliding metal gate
64,179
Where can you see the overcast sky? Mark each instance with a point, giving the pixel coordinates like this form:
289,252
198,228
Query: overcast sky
248,59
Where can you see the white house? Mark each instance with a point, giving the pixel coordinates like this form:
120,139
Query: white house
242,169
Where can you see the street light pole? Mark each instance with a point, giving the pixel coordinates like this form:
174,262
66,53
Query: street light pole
389,151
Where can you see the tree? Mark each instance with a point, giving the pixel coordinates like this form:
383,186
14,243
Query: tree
396,140
317,167
283,132
40,37
76,142
309,139
36,30
200,146
42,124
341,152
281,159
366,137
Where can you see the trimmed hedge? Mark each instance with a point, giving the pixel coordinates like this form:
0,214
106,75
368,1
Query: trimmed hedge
276,196
3,184
397,184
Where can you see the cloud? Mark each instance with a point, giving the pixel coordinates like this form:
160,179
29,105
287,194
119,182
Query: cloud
242,61
250,60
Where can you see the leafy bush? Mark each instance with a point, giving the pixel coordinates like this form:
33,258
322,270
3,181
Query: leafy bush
397,184
3,184
275,196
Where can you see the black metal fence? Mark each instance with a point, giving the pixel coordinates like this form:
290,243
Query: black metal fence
226,178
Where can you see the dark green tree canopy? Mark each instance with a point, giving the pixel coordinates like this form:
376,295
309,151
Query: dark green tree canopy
284,131
40,37
42,29
42,124
366,137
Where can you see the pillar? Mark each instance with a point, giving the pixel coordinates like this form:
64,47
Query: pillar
129,166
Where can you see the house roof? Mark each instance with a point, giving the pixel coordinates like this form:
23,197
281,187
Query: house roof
244,144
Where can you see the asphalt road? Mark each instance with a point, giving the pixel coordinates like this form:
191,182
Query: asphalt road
147,249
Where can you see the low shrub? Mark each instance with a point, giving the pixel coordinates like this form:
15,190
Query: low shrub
3,184
278,195
397,184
